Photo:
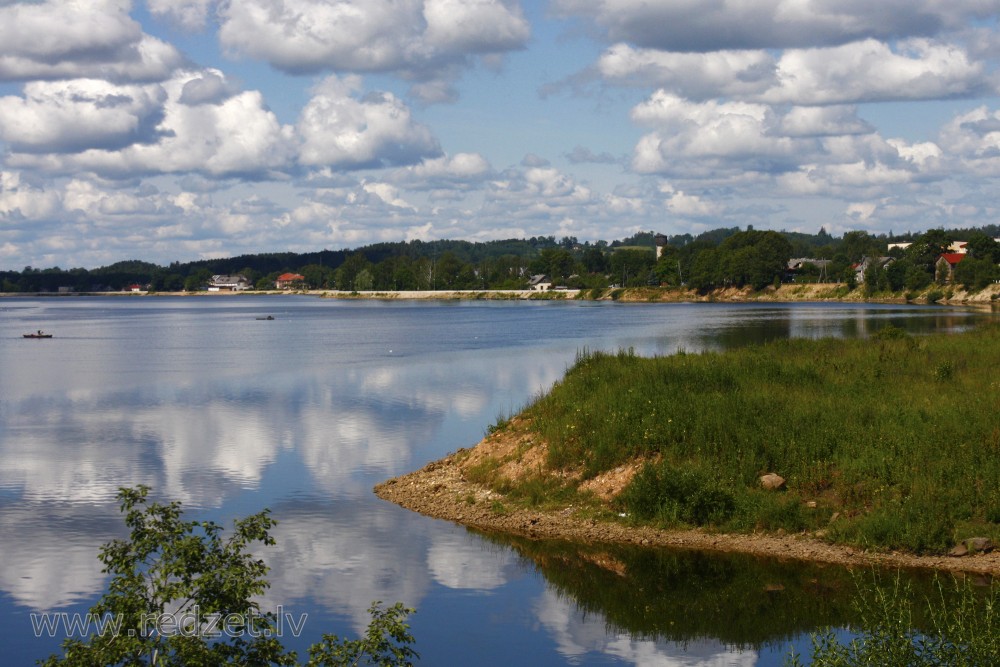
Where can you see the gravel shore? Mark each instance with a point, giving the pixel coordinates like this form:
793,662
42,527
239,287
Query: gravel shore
442,490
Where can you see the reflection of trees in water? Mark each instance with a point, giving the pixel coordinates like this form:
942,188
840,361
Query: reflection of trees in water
686,596
762,326
681,595
745,333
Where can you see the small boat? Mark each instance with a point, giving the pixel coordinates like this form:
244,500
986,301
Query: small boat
38,334
269,317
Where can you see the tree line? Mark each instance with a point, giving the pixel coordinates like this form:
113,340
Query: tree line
718,258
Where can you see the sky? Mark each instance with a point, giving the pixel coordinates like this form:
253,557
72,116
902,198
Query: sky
177,130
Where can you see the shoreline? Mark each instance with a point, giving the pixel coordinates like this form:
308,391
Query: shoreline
787,293
443,490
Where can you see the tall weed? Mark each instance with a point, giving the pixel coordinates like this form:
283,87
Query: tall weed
962,628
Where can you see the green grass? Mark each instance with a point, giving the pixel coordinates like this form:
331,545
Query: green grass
896,435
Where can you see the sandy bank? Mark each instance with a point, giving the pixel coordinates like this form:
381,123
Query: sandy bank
790,293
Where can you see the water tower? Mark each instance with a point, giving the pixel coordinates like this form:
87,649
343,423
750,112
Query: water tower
660,240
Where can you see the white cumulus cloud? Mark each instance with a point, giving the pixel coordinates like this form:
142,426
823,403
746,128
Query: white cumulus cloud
77,39
697,75
415,36
71,116
865,71
823,121
339,129
19,199
474,26
710,130
870,71
715,25
237,135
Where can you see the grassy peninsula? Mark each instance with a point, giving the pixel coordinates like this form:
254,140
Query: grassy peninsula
885,444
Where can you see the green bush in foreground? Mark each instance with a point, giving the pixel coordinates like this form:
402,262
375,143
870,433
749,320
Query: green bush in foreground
961,632
183,595
889,442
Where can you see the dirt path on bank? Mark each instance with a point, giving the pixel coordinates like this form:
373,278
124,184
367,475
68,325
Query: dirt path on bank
442,490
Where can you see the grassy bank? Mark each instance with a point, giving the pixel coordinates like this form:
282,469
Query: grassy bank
889,443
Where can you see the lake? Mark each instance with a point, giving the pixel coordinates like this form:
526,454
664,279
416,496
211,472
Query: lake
303,414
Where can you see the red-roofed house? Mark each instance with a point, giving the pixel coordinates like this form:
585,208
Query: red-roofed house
944,269
289,280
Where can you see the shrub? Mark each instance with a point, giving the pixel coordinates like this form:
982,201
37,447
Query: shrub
677,495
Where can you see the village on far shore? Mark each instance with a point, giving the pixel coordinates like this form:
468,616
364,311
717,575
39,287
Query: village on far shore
937,265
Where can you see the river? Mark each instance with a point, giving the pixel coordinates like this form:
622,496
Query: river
207,404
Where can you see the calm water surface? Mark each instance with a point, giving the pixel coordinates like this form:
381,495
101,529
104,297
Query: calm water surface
229,414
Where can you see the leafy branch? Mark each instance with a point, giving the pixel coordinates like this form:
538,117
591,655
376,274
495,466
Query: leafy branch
170,569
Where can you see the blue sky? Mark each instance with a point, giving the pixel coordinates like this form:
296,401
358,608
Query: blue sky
171,130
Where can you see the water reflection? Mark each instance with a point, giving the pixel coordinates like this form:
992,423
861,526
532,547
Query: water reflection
690,596
325,556
761,324
49,553
304,414
578,635
665,606
198,444
457,563
204,443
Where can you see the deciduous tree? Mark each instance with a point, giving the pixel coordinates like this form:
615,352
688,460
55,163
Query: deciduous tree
183,594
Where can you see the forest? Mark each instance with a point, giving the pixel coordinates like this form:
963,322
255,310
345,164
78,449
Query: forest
718,258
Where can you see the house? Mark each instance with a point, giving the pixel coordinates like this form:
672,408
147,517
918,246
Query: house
289,280
944,268
135,287
540,283
236,283
860,268
796,266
